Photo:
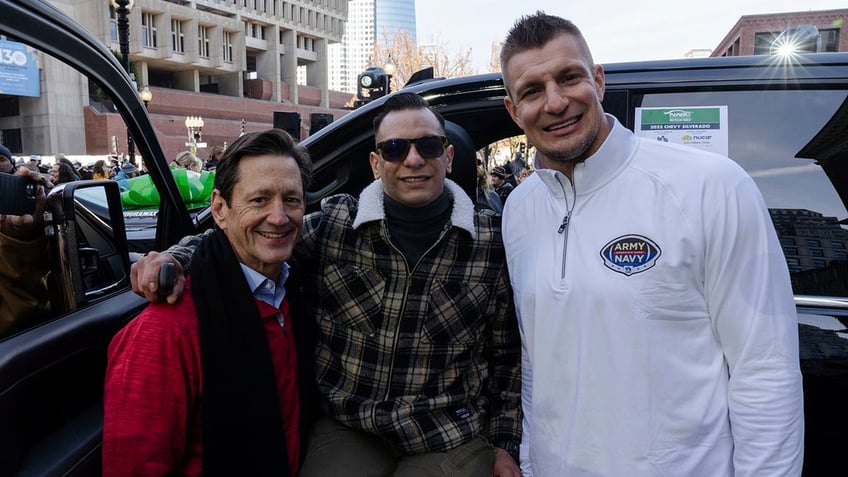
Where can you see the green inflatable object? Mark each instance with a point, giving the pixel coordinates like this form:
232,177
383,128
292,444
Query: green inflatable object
196,189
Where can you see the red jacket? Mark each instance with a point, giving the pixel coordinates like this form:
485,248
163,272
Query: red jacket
154,385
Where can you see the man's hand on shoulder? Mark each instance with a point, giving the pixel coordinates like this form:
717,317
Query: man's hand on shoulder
144,276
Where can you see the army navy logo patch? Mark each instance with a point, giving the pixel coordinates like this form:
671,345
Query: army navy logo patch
630,254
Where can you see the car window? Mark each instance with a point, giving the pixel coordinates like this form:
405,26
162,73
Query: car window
766,131
74,260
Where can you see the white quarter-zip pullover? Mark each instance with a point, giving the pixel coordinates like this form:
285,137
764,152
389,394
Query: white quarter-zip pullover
659,333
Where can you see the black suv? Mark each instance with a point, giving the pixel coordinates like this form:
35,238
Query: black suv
784,120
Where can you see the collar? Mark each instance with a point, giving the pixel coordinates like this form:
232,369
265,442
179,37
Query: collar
371,206
263,289
599,168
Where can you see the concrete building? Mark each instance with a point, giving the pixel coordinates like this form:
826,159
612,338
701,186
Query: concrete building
370,22
753,34
223,60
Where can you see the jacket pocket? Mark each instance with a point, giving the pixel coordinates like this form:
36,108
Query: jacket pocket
352,297
456,313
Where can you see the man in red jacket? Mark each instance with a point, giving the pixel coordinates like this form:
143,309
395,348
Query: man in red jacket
220,382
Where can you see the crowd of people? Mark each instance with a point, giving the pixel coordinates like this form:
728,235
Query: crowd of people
628,313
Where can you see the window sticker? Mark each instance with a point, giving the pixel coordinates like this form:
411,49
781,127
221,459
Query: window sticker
704,127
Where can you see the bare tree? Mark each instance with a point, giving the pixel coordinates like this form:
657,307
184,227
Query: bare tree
409,58
495,57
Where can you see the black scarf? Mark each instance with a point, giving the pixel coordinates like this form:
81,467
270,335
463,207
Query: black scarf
242,427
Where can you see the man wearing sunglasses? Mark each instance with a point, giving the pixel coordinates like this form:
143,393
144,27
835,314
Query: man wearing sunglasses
418,351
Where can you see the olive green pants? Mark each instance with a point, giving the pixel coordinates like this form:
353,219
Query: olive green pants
339,451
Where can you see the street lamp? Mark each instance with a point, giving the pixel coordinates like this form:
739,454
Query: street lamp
146,96
194,125
122,9
390,70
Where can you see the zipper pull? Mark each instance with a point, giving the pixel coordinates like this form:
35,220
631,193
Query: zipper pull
564,224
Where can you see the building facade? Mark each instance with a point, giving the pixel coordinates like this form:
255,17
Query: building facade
753,34
370,22
223,60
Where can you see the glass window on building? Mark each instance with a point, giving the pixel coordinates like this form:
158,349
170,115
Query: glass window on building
829,40
203,41
113,24
762,42
227,42
148,30
177,36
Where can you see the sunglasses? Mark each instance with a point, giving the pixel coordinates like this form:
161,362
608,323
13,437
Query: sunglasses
428,147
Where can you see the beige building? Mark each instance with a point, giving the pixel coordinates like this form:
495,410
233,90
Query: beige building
250,48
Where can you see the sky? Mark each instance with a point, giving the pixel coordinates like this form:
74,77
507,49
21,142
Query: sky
616,30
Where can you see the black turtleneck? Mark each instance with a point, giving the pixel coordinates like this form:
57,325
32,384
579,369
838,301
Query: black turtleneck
414,229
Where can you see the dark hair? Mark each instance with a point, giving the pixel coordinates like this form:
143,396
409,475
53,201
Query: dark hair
274,142
534,31
402,102
64,160
66,173
100,167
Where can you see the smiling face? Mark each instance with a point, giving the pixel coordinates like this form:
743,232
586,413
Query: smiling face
555,96
265,214
413,181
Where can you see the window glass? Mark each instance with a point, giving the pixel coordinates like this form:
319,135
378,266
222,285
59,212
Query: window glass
70,260
766,132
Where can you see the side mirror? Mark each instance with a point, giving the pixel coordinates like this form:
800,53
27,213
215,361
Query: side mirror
88,244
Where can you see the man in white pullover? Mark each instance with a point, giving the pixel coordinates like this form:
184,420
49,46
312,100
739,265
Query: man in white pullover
659,334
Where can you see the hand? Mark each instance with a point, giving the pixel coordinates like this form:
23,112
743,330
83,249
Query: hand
144,275
505,465
30,226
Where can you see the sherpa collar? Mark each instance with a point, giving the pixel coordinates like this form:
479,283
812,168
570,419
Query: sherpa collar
371,206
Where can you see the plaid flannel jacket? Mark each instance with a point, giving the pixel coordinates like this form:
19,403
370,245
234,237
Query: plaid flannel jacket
426,355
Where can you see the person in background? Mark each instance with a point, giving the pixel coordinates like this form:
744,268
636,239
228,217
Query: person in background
187,160
487,198
659,333
221,383
61,173
115,168
24,260
523,172
7,164
213,158
34,164
99,171
502,187
61,159
127,172
418,351
84,172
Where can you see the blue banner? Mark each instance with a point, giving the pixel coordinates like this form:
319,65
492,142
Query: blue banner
19,73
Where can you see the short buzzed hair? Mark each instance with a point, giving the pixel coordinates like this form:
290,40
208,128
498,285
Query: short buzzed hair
534,31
